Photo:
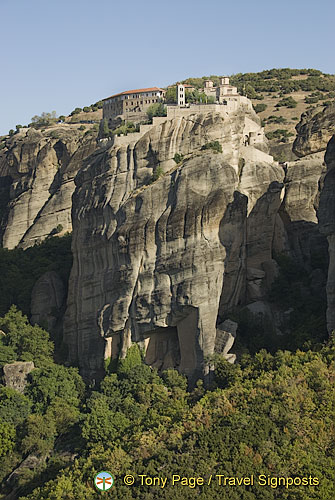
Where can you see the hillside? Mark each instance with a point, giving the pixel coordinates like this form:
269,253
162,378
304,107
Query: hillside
309,89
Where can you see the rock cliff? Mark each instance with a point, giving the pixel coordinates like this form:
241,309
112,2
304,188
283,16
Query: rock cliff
314,131
36,183
158,262
326,215
164,251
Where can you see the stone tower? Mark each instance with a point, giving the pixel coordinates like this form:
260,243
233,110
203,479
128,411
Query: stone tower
180,95
224,80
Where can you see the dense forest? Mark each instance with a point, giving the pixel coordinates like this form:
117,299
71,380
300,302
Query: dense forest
270,414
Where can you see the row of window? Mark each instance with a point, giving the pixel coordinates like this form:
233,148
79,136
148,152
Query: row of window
146,101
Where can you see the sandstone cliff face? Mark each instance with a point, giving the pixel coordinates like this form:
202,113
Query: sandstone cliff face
161,263
314,131
36,173
326,215
157,263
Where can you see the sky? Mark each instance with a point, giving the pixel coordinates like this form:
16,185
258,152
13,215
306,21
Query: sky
62,54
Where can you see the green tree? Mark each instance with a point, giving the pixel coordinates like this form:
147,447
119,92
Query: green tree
44,119
133,358
55,381
76,111
14,407
156,109
7,353
103,425
105,128
7,438
30,343
289,102
40,435
260,107
171,95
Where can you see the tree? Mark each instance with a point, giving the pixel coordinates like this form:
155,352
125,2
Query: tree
101,424
40,437
171,95
7,353
30,343
289,102
55,381
7,438
260,107
44,119
157,109
14,407
133,358
76,111
105,128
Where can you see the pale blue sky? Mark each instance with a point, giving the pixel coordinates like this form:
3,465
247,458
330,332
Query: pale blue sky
60,54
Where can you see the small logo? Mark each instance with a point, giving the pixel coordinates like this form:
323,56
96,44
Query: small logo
103,481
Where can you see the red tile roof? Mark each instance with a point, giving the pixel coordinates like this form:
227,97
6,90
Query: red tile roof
136,91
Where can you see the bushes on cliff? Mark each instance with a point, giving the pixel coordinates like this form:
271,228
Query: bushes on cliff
214,145
44,120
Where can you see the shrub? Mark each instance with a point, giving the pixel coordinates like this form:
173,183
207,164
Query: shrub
214,145
281,134
276,119
54,134
178,157
260,107
125,128
289,102
157,173
82,127
76,111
